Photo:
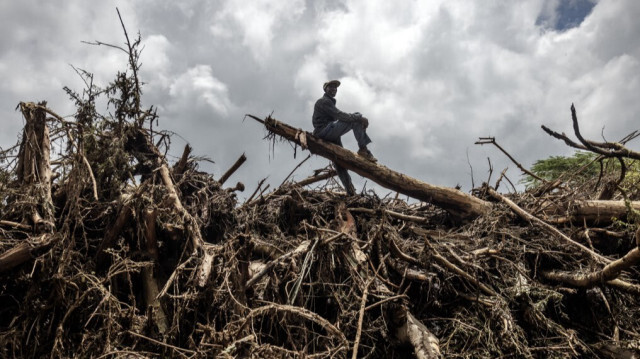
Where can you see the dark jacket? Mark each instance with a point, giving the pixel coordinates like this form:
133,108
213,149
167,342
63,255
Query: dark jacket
325,112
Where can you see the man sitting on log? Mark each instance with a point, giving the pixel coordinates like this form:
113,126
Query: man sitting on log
330,124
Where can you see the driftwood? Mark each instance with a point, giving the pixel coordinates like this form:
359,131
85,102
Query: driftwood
300,272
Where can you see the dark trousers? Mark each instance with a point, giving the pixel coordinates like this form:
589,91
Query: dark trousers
333,133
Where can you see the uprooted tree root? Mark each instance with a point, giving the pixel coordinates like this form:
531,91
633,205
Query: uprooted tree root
107,250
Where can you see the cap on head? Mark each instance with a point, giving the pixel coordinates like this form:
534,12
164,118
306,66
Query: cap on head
332,82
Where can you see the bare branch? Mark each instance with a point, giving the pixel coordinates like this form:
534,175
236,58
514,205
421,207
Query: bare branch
492,140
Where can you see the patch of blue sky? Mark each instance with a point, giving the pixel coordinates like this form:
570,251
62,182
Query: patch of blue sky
561,15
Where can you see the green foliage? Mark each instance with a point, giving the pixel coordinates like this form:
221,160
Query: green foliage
581,168
101,139
553,167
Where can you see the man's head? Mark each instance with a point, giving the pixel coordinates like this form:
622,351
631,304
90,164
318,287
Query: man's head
331,87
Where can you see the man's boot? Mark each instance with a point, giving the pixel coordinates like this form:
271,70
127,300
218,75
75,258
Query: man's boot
365,153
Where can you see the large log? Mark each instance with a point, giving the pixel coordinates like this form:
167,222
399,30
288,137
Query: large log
600,212
458,203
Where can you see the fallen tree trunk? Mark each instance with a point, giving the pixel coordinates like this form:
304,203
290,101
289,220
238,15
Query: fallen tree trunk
596,212
459,204
601,212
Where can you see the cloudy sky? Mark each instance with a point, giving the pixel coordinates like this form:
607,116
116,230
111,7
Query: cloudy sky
432,75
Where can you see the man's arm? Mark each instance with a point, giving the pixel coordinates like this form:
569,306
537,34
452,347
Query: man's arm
338,115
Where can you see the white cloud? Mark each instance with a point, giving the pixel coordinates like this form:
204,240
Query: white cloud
432,76
41,40
442,74
156,64
310,77
257,20
154,53
200,86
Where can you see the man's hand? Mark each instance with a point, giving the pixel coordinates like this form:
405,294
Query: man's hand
365,122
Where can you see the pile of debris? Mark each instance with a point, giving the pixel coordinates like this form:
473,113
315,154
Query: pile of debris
107,250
